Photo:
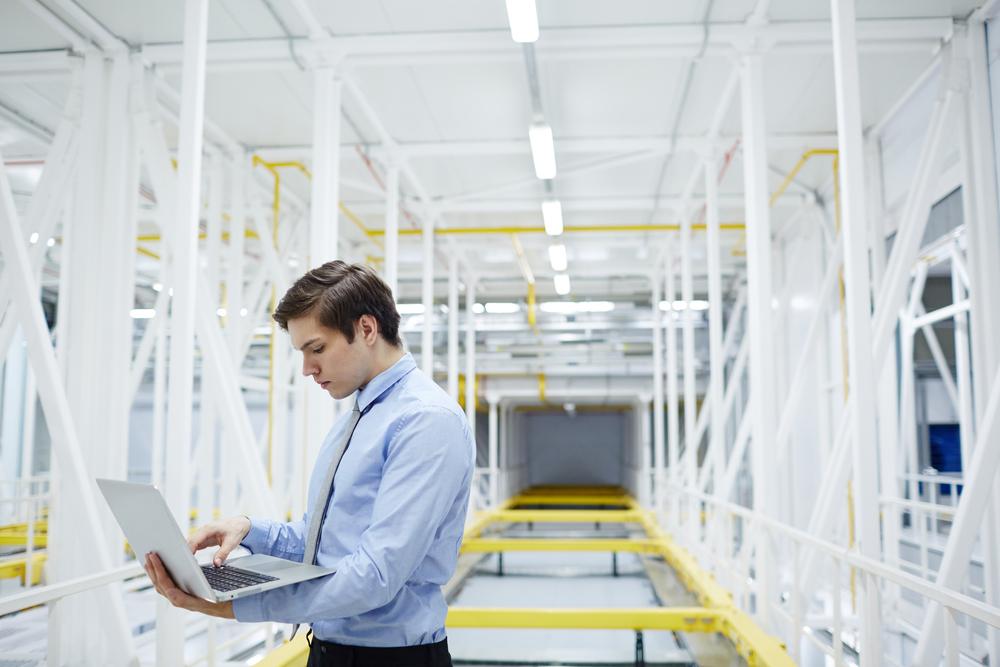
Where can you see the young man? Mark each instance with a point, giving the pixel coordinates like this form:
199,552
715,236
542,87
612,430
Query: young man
392,522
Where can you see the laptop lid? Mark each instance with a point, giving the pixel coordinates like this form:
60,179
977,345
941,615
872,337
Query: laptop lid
149,526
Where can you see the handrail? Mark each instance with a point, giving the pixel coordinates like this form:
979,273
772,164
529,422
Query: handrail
944,596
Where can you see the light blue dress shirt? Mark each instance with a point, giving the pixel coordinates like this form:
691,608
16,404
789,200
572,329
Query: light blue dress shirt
394,523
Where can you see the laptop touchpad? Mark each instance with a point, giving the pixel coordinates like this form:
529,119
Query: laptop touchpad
273,564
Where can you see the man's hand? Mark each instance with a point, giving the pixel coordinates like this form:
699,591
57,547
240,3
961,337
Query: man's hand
226,534
165,586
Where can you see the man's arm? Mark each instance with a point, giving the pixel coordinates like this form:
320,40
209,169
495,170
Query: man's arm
428,466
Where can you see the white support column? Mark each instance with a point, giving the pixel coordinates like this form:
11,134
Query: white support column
177,481
645,458
427,297
113,645
980,202
658,452
453,325
470,353
324,217
858,312
673,423
494,455
324,235
392,228
236,321
758,223
693,520
717,359
984,243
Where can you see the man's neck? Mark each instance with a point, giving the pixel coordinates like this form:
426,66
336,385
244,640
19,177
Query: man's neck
385,358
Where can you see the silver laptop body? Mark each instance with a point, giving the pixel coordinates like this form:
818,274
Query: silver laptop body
149,526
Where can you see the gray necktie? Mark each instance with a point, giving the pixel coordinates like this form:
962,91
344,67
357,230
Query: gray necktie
323,495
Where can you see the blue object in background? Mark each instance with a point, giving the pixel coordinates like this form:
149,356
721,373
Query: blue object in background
946,451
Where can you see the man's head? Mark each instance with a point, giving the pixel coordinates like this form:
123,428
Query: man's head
343,317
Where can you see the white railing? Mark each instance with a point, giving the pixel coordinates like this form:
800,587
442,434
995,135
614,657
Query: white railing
735,571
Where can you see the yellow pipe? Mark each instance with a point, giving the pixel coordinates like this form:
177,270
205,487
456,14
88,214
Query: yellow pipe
499,545
250,234
675,619
532,307
541,387
808,155
147,252
728,226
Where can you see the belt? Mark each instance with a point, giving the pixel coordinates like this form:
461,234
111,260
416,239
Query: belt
379,656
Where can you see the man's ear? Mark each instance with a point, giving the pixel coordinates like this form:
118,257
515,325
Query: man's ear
368,326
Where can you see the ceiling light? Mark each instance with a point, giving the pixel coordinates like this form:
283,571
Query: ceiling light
552,215
50,242
142,313
410,308
543,151
157,287
561,282
557,257
523,19
696,304
501,307
221,312
573,307
34,238
478,309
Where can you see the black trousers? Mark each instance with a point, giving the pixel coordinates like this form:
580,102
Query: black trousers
329,654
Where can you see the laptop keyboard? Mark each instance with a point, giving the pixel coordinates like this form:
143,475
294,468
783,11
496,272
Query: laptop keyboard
228,578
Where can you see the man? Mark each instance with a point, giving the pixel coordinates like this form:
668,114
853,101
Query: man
392,522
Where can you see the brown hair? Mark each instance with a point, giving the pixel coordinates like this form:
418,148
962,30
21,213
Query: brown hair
339,294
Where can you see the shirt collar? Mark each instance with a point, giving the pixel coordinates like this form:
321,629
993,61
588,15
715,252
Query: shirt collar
384,381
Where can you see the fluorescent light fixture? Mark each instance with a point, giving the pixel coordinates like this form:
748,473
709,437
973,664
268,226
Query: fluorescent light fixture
501,308
34,238
557,257
552,215
543,151
561,282
523,18
573,307
696,304
142,313
410,308
478,308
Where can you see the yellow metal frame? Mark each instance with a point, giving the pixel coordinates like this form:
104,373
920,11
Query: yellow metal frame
718,613
16,567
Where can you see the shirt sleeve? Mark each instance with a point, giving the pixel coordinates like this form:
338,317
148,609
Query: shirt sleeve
428,467
277,538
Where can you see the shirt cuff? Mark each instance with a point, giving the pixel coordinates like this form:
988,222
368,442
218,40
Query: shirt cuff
257,538
249,609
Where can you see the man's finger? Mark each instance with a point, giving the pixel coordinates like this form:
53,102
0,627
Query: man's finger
203,537
223,553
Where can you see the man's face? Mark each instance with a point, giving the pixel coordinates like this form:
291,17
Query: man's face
337,366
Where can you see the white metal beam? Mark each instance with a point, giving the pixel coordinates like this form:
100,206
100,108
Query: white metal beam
857,288
78,487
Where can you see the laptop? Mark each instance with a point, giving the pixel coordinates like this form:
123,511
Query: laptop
149,526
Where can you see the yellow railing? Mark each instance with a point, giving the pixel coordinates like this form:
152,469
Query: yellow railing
717,613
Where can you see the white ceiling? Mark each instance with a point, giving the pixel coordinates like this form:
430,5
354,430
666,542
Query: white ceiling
482,96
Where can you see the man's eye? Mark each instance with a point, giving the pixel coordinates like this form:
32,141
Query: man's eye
318,350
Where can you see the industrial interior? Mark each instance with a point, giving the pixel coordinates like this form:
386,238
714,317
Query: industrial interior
715,283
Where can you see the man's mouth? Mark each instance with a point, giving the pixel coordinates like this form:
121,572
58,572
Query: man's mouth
324,384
